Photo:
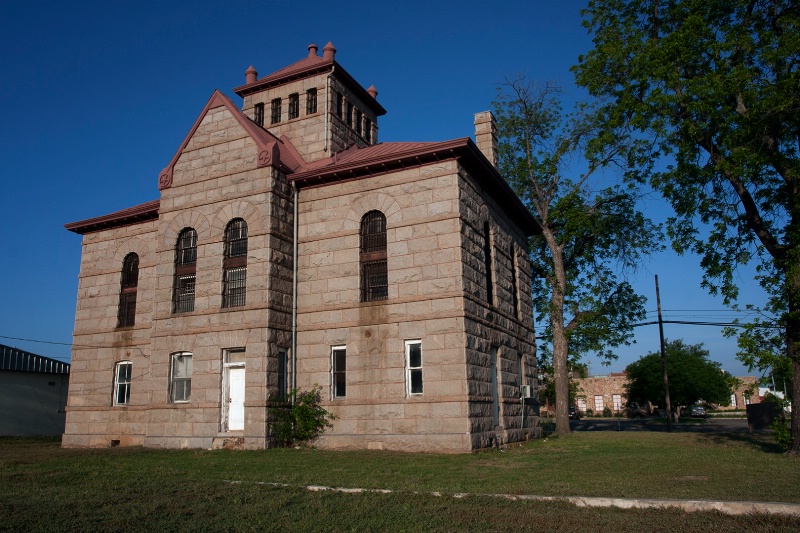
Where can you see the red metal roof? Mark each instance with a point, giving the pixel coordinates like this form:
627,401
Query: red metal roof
355,163
126,217
306,67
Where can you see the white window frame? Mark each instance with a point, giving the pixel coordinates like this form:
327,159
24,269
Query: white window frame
616,400
581,401
174,381
599,405
412,370
335,393
122,383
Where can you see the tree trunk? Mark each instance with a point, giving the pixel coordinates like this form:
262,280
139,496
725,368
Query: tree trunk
560,343
793,348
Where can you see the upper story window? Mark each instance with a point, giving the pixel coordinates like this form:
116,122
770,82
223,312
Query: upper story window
358,119
338,105
258,113
294,106
514,296
487,261
275,115
368,130
349,114
311,101
374,275
185,271
126,314
234,265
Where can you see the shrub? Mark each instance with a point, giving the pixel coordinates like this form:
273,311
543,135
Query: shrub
590,412
606,412
302,420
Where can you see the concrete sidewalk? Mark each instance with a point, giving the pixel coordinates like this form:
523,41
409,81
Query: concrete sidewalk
727,507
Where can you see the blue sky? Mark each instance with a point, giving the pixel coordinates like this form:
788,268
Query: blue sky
97,97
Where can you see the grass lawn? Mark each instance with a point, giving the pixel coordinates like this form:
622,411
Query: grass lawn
44,487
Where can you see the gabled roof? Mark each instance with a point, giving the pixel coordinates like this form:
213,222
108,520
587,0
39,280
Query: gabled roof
272,151
126,217
355,163
305,68
17,360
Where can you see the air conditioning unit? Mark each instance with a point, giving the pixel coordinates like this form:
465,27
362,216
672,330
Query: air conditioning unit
527,391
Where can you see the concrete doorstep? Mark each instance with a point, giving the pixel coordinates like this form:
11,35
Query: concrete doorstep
727,507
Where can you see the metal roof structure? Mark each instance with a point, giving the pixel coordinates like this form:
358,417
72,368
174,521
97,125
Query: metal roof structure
17,360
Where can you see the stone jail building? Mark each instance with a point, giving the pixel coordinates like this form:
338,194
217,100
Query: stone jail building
289,248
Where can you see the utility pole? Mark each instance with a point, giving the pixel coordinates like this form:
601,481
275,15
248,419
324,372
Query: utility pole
663,359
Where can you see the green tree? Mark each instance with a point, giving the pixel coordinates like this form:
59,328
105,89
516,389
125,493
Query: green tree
592,234
714,86
692,377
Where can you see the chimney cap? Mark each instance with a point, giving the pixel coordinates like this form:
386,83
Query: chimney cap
329,52
373,92
250,75
312,50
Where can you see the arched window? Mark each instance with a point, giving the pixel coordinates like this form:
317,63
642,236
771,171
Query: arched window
374,284
185,271
234,266
129,281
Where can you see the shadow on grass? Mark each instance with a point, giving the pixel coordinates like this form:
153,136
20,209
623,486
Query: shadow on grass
760,441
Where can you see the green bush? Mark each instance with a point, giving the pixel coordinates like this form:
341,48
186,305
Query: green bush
606,412
301,420
589,412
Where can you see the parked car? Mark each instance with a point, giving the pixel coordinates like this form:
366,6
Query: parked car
698,411
574,413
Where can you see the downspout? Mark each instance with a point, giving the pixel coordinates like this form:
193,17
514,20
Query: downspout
327,100
294,295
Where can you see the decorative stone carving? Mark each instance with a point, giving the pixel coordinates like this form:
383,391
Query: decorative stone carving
165,179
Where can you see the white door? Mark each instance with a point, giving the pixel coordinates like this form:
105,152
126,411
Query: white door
235,399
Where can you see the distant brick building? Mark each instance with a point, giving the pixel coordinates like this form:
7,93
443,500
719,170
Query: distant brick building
598,392
290,248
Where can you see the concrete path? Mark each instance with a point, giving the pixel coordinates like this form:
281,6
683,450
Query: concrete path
727,507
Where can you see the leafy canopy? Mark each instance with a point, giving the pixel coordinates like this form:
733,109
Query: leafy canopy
692,377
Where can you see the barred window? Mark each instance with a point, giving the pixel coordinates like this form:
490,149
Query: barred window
349,115
185,271
234,265
358,119
181,377
294,106
275,115
368,130
311,101
258,113
374,275
126,313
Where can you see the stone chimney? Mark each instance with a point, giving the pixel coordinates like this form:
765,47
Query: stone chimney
486,135
329,52
250,75
312,50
